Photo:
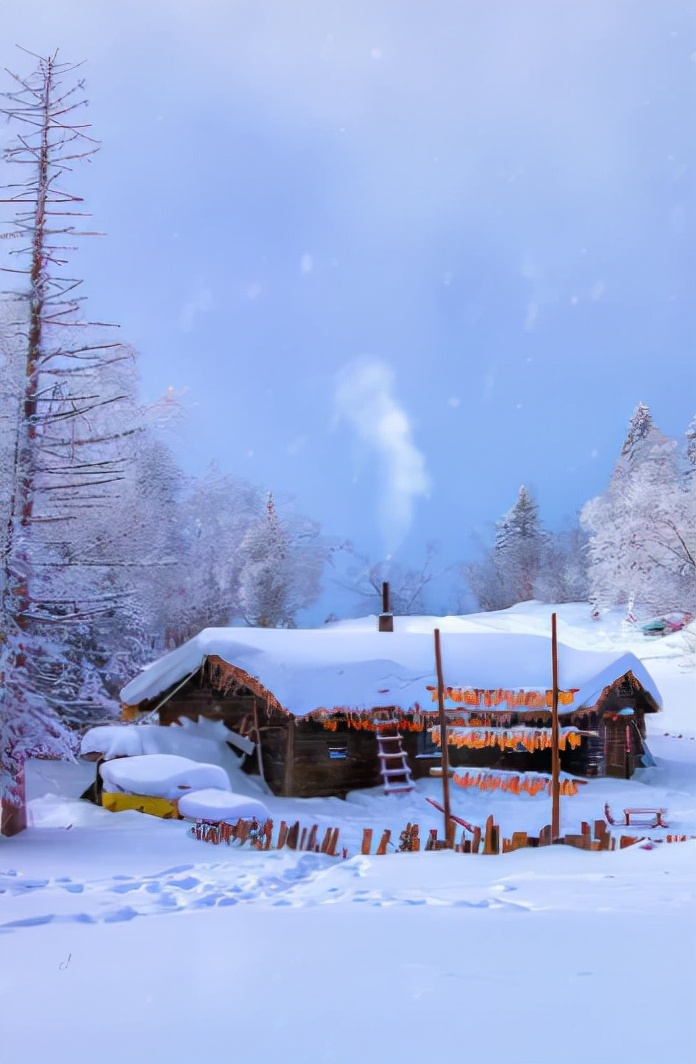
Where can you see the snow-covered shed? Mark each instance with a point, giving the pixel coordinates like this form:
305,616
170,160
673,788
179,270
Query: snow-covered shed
314,700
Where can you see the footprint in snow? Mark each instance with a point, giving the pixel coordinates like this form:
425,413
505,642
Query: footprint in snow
119,915
126,888
30,921
185,883
172,871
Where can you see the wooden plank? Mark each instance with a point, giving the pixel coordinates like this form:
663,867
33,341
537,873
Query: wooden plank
476,840
333,843
585,828
382,848
293,835
606,841
431,841
520,840
325,841
282,835
487,836
415,839
303,839
312,840
451,832
600,829
492,837
268,834
366,841
545,836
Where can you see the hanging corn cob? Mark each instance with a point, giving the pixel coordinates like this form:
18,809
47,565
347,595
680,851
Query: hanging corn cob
507,738
530,783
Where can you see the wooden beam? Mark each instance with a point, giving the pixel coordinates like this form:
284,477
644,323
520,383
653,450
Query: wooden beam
555,754
443,737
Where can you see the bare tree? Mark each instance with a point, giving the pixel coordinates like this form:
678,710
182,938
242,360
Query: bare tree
408,585
70,405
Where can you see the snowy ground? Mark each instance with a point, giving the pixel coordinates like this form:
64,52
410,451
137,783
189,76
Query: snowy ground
124,940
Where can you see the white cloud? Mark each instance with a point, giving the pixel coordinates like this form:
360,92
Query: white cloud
364,398
306,263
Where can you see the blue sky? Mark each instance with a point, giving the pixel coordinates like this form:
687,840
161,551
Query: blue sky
401,257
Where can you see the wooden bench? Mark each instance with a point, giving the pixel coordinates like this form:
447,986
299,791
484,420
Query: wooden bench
655,815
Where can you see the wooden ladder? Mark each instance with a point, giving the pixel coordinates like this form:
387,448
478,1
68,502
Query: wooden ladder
393,760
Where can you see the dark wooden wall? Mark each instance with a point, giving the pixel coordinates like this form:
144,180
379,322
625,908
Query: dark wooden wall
312,771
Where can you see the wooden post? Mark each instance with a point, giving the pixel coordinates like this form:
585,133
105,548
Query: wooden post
555,755
259,752
288,775
443,737
383,842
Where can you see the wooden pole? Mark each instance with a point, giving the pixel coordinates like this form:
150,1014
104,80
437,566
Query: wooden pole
443,737
289,773
555,755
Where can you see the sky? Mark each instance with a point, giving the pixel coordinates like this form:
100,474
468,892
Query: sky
395,258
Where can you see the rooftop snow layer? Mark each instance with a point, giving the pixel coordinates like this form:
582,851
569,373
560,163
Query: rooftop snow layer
351,664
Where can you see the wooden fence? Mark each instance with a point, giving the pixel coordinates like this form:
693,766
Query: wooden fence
260,836
485,840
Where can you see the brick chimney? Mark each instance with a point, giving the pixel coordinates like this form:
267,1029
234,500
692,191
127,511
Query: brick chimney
386,617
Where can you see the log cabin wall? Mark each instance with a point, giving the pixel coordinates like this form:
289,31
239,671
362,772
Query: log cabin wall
330,763
419,762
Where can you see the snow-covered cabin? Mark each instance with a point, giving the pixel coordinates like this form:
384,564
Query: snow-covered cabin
314,700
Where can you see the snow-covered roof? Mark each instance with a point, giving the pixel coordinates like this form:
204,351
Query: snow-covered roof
352,665
205,741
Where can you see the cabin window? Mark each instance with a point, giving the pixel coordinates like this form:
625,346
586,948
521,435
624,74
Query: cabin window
338,753
426,747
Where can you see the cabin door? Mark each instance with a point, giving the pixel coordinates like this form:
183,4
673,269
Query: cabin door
623,747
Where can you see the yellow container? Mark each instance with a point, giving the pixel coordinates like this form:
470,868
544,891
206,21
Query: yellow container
166,808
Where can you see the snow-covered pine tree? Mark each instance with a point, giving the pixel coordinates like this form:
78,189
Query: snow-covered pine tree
640,428
282,563
519,542
69,427
509,571
642,538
